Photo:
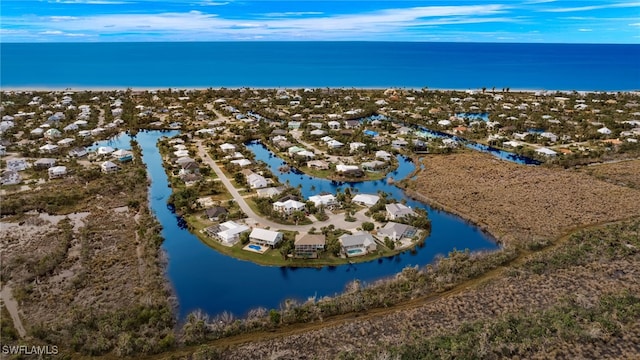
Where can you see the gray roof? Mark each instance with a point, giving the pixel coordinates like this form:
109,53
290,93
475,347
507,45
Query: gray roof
356,239
392,227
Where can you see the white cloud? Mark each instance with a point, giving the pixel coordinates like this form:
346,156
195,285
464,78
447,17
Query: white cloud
293,13
635,24
90,2
182,25
593,7
213,3
585,30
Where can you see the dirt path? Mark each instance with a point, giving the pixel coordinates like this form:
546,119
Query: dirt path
12,306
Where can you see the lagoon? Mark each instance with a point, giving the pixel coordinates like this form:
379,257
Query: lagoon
204,279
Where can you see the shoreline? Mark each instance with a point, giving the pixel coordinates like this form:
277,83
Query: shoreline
107,88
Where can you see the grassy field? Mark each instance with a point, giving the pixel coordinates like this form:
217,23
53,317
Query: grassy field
517,203
623,173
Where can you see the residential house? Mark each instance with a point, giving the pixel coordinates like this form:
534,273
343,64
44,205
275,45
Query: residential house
268,192
334,125
399,143
10,177
214,213
326,200
288,206
396,231
52,133
398,211
374,165
354,146
317,132
360,243
241,162
189,168
44,163
546,152
308,245
48,148
318,164
256,181
512,144
351,124
265,237
37,132
229,232
334,144
17,164
550,136
349,170
294,125
65,141
108,167
57,172
604,131
78,152
365,199
381,154
228,148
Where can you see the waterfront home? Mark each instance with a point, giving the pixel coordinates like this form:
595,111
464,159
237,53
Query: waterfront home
78,152
349,170
288,206
228,148
265,237
268,192
374,165
305,154
108,167
318,164
229,232
214,213
122,155
326,200
357,244
381,154
512,144
10,177
398,211
189,168
405,130
181,153
44,163
48,148
546,152
104,150
366,199
308,245
57,172
396,231
449,143
183,160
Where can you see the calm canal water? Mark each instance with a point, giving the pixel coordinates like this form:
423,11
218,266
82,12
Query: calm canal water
204,279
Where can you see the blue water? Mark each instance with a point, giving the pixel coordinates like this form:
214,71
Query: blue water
594,67
204,279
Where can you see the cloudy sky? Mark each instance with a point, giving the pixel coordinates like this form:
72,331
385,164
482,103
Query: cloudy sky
558,21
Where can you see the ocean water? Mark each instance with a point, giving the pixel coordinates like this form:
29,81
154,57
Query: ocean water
588,67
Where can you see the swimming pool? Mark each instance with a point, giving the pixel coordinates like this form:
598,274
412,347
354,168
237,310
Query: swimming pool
354,251
255,247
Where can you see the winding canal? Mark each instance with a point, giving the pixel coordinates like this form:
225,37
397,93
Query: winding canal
204,279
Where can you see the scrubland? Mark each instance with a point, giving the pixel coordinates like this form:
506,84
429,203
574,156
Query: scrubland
520,204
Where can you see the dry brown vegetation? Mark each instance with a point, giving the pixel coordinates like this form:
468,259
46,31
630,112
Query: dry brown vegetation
623,173
520,203
576,300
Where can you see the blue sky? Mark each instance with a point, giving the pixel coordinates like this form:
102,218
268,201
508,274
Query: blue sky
557,21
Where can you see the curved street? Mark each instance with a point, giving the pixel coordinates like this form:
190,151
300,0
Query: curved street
336,220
